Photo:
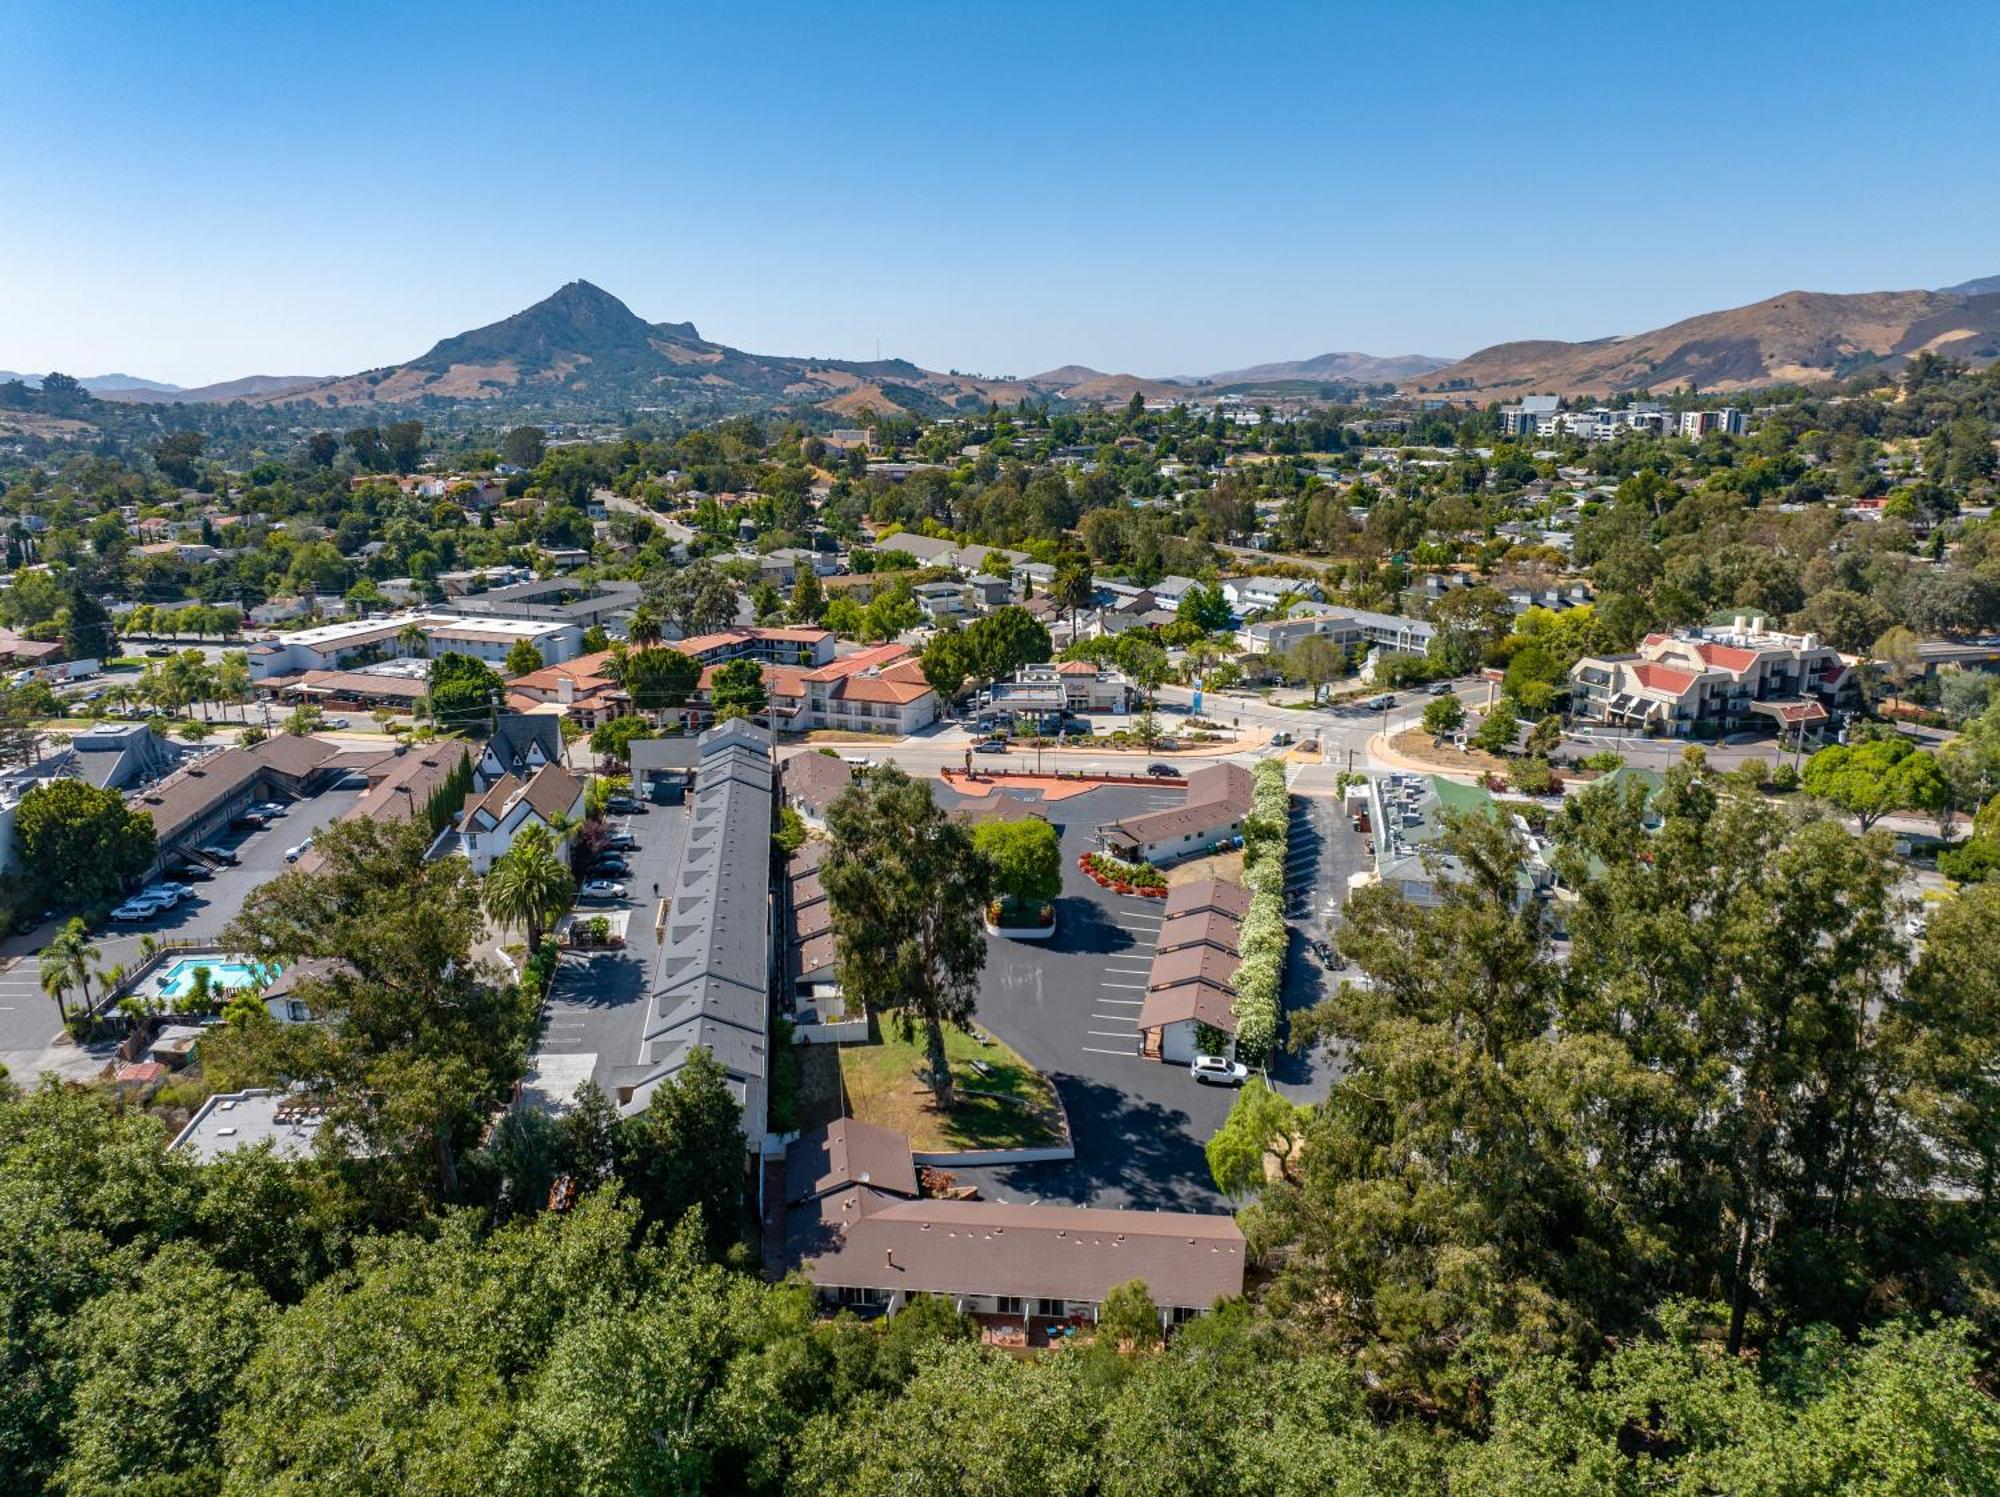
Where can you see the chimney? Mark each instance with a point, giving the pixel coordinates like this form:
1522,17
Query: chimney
889,1257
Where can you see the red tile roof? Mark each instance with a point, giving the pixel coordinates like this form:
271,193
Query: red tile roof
1659,677
1726,657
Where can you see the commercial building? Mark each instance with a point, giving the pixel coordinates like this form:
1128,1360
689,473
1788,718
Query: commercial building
1345,627
198,801
332,646
1218,800
1407,814
1710,681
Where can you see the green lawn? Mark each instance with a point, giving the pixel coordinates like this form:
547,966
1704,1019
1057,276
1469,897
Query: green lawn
1017,1111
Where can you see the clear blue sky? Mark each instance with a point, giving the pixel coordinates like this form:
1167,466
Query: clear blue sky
193,191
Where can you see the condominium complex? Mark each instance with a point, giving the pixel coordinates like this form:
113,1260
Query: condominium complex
1709,681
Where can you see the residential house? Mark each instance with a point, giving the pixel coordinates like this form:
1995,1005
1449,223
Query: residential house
490,823
520,744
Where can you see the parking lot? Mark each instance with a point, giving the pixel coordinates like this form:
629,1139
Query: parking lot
28,1016
597,1005
1070,1006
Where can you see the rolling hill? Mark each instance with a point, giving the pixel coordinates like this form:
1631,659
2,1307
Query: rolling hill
1796,337
1333,368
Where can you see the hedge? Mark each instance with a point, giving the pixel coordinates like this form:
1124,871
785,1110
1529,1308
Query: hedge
1260,977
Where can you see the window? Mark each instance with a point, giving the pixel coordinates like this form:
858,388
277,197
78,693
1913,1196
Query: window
862,1297
1049,1309
1008,1304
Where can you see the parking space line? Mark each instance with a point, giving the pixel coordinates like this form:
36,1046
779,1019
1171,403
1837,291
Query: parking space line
1139,986
1094,1050
1110,1034
1123,1002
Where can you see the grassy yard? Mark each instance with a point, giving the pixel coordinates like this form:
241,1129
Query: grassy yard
1011,1107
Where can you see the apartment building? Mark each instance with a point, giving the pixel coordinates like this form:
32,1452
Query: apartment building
1710,681
1343,626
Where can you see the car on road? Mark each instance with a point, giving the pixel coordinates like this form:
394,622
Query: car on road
134,910
336,722
600,889
293,854
1380,704
219,853
1163,771
159,652
1281,739
990,746
1439,689
1218,1070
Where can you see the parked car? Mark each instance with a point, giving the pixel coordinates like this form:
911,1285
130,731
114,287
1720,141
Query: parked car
1163,771
293,854
621,842
612,868
195,871
990,746
624,805
1281,739
1219,1070
219,853
270,808
166,893
253,820
601,888
1438,689
132,911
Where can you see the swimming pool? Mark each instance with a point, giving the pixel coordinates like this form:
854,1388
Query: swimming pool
177,980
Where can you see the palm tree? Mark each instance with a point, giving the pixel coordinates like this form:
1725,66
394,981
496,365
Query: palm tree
68,961
644,631
1073,588
413,641
529,885
232,678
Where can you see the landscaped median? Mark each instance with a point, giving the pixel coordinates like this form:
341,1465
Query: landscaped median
1001,1102
1260,980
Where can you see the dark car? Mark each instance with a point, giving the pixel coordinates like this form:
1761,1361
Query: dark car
220,854
192,870
160,652
1163,771
624,805
252,819
610,868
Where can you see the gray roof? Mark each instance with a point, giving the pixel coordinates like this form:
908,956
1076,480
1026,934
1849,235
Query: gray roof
229,1121
715,960
516,732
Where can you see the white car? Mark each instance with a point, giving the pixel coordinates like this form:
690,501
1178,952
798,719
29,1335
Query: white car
1219,1069
137,909
293,854
601,888
270,808
165,893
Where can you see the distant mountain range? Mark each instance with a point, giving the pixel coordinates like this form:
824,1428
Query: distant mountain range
1799,337
131,388
582,349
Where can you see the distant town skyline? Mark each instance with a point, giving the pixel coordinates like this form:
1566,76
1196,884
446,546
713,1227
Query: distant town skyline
206,191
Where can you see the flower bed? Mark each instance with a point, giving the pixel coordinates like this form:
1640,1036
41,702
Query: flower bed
1031,922
1124,878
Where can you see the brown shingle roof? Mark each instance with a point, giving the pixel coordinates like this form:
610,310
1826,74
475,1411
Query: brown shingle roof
1198,927
1232,900
1218,795
1201,1001
863,1238
845,1153
1192,964
814,781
